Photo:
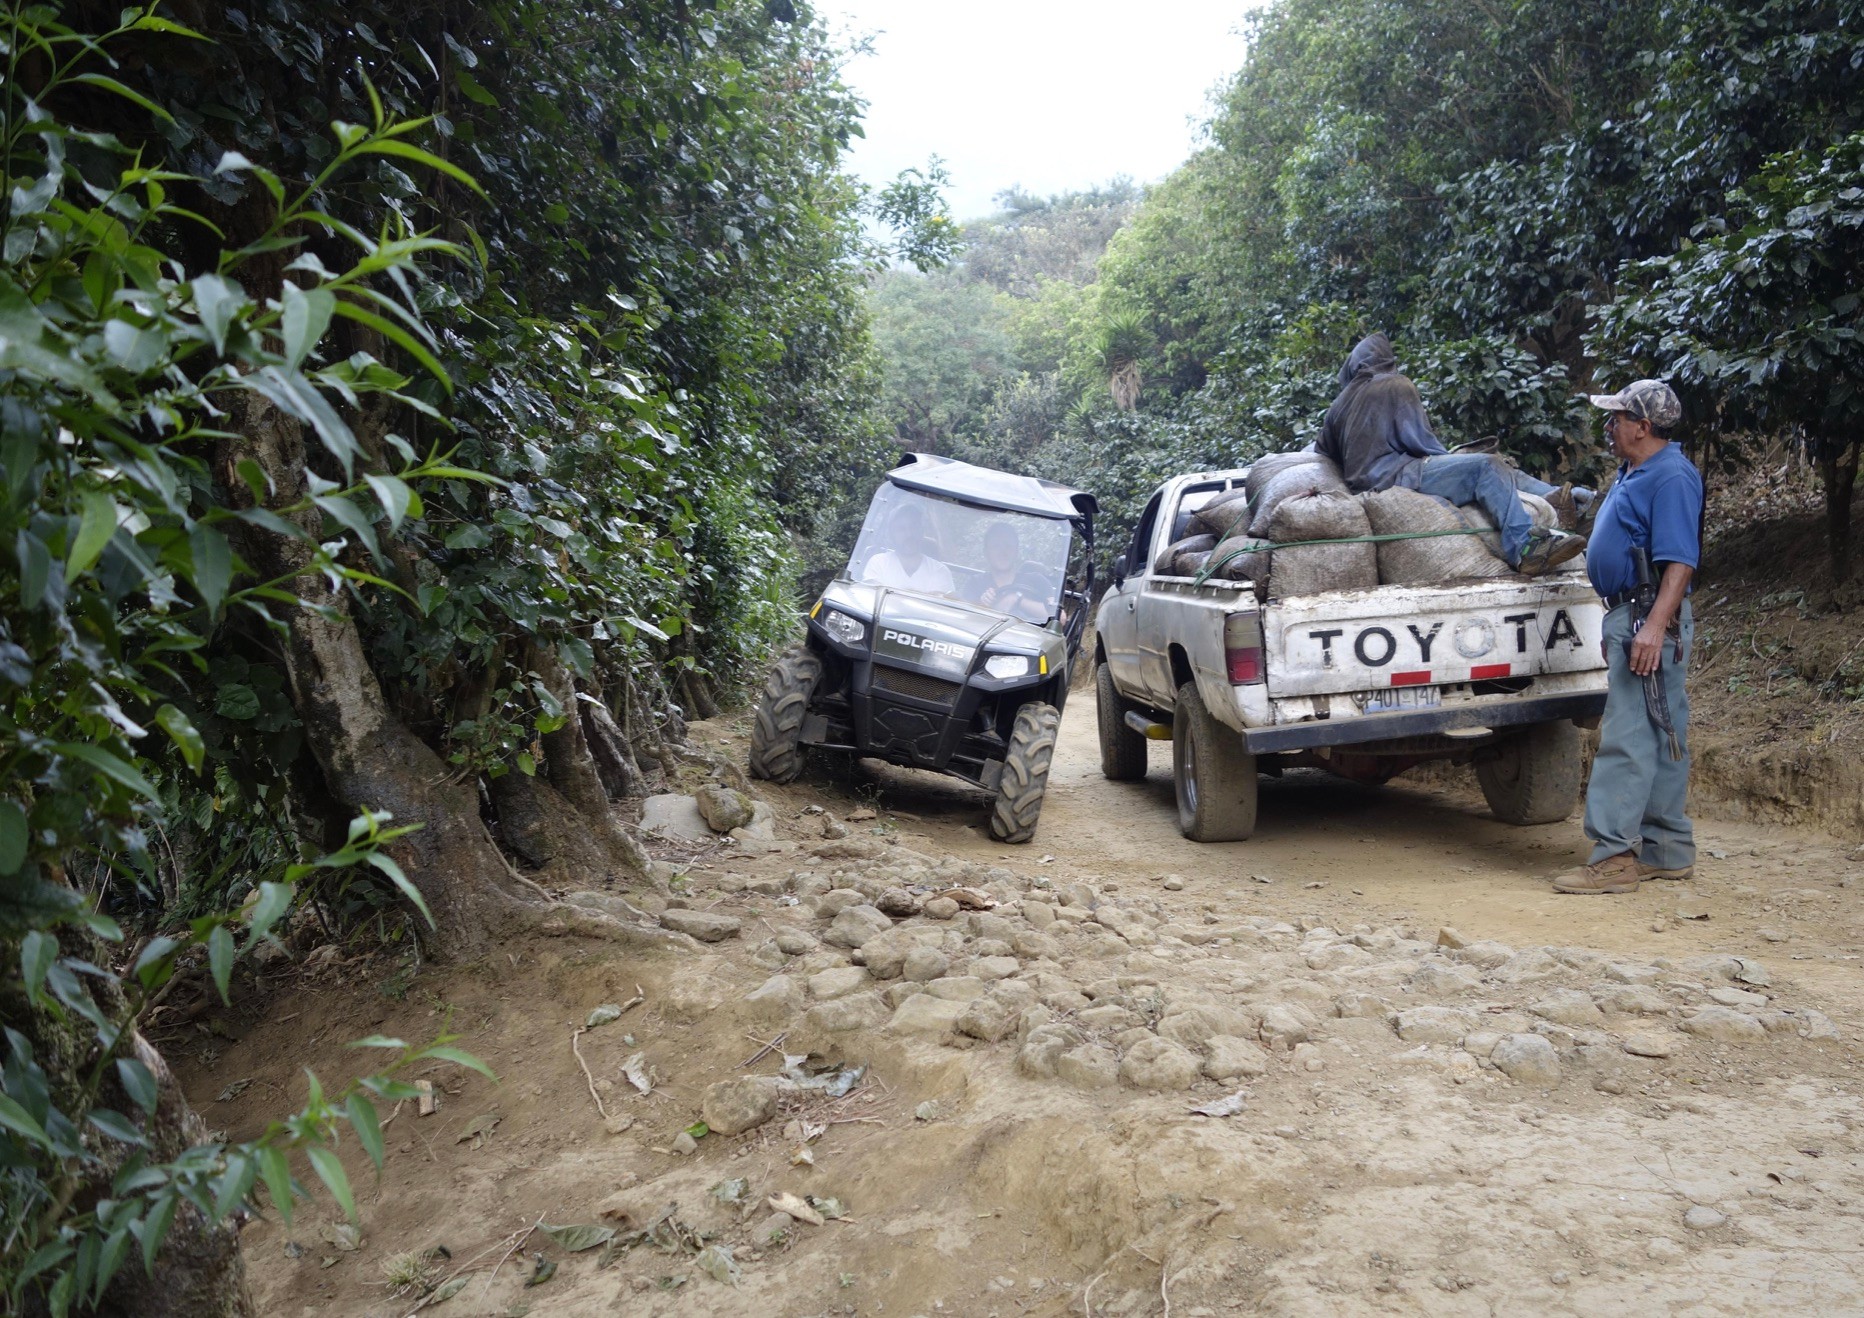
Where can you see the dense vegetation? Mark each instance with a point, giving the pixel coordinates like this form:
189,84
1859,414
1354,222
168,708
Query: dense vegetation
1533,199
408,410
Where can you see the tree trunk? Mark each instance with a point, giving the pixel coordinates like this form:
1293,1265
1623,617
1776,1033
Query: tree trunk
369,760
572,769
1839,473
614,757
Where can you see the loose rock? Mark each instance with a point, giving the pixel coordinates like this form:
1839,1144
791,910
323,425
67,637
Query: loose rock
1527,1059
731,1107
723,808
1155,1063
707,928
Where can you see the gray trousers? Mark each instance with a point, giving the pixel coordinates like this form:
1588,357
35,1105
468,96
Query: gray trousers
1635,799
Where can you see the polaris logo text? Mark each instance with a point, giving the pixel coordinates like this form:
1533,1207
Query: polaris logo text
925,643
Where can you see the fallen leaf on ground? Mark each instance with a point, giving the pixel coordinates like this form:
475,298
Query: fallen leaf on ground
602,1015
785,1202
635,1069
234,1090
716,1262
545,1270
1222,1107
479,1129
829,1208
342,1235
448,1289
975,899
578,1236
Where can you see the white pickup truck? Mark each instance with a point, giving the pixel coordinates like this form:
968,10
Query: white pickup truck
1500,673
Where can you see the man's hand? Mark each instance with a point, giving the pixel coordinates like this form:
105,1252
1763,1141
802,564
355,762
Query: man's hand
1647,649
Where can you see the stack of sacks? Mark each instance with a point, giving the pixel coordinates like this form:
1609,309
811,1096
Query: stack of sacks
1477,518
1309,501
1196,547
1270,465
1431,561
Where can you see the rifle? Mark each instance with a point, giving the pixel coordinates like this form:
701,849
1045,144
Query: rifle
1656,691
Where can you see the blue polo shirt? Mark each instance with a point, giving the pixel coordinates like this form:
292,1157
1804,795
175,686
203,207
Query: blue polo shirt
1656,506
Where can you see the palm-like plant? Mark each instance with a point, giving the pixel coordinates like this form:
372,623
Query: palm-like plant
1119,344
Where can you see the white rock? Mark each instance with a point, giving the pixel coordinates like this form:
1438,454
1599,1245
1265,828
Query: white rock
1724,1025
674,815
1527,1059
837,983
1434,1024
1232,1058
1702,1218
1569,1007
1155,1063
924,1014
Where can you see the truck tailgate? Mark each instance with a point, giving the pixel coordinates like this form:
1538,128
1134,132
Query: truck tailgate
1402,636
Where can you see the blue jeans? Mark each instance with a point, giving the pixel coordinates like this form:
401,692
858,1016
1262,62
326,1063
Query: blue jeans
1635,799
1485,479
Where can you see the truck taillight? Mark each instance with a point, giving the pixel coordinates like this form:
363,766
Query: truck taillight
1242,648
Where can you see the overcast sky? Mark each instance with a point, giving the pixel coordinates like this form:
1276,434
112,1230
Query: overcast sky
1046,94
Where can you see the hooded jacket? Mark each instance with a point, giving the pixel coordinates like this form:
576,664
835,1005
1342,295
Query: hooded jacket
1377,424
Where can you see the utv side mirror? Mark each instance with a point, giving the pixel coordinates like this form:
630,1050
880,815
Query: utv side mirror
1119,571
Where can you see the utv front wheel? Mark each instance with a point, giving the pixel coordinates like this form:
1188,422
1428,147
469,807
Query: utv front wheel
1122,751
1214,775
776,735
1018,805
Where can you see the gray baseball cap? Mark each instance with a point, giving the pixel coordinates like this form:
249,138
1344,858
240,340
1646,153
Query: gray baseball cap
1652,400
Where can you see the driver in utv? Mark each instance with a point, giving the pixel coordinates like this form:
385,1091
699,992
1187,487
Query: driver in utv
1008,584
907,566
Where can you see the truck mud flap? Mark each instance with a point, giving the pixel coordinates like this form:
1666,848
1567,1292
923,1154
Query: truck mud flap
1384,727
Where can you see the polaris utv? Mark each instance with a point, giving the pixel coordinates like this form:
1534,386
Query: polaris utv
947,642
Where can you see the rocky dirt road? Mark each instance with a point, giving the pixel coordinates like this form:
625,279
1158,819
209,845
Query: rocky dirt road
1449,1091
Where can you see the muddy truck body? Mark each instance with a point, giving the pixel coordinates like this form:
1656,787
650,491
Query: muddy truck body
1499,673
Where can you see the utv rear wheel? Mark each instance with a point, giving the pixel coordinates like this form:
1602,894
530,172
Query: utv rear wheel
1122,751
776,735
1215,776
1018,805
1534,777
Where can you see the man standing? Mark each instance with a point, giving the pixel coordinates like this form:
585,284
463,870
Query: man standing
1378,435
1635,800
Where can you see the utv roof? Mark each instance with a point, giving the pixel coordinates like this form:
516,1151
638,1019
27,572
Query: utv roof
991,489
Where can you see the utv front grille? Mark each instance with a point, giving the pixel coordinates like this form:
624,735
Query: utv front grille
905,682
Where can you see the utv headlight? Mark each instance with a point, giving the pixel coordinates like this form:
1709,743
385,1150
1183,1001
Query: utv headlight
1005,666
849,631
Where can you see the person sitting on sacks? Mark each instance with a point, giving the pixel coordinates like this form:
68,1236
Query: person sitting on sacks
907,566
1008,585
1378,435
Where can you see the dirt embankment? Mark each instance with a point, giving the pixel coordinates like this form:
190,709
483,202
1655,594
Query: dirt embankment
1564,1106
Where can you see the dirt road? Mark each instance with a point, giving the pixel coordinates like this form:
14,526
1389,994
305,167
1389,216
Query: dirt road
1453,1092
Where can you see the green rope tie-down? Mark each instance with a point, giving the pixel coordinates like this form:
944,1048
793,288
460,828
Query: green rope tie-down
1204,573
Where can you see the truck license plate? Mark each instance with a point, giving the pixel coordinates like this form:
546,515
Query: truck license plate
1400,697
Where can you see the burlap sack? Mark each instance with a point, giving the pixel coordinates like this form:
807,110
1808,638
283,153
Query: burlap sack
1311,569
1192,544
1431,561
1190,563
1297,482
1227,512
1236,565
1270,465
1539,511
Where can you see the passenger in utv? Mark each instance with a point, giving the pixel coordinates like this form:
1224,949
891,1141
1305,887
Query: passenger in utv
1379,436
1009,585
907,566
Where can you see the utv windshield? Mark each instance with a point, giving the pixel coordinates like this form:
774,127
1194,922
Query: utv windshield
1009,562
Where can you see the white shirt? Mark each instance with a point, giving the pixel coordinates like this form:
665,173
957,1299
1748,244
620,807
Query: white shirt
931,577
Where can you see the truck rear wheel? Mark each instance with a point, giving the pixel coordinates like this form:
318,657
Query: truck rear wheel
1534,777
777,732
1018,805
1215,776
1122,751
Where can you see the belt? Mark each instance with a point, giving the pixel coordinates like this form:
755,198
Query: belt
1617,601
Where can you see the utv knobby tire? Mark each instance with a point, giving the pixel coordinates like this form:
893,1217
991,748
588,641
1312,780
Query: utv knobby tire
1534,777
1122,751
776,733
1214,776
1018,805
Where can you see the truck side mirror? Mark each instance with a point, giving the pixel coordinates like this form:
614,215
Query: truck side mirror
1119,571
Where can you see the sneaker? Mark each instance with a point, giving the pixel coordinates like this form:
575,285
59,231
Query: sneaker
1564,508
1546,550
1612,875
1652,872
